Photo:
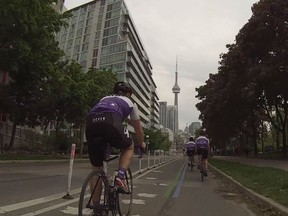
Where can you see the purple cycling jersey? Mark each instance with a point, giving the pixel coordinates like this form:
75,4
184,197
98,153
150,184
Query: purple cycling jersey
190,146
120,105
202,142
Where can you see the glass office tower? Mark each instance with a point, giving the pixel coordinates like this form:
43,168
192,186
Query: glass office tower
102,34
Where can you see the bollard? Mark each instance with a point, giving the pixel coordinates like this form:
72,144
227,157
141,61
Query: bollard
148,160
140,163
68,196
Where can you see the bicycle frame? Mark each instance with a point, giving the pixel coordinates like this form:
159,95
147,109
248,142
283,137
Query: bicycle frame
111,200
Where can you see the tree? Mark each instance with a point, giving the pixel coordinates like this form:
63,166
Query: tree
28,51
250,85
157,140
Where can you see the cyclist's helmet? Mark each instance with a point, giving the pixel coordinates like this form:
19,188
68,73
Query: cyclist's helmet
191,139
121,88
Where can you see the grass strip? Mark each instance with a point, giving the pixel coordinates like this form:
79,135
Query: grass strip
269,182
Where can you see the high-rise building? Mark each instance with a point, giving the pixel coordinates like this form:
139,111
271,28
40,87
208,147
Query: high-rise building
59,6
171,118
163,113
102,34
194,126
176,91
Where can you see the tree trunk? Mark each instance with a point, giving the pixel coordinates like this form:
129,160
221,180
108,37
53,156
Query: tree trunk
284,150
11,144
81,141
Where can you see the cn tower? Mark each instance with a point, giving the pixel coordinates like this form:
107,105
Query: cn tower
176,88
176,91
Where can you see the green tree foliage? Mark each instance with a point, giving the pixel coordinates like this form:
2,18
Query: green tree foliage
157,140
28,51
251,84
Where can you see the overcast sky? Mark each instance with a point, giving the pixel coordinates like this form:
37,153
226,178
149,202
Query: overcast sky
196,31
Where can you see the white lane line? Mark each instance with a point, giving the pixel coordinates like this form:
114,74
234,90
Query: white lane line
41,211
163,184
146,195
74,211
29,203
33,202
151,178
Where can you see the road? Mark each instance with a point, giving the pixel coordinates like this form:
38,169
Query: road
169,189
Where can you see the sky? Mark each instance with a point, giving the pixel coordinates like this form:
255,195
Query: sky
195,32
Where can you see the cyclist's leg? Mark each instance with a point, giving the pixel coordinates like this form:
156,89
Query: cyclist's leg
126,157
119,138
189,158
199,156
205,158
96,146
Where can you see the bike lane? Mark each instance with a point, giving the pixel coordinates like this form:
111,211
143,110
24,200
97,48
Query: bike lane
173,190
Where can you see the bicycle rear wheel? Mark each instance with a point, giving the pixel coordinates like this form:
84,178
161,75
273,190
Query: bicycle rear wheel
191,164
202,169
89,201
124,201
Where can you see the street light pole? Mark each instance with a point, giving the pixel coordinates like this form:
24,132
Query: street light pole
147,147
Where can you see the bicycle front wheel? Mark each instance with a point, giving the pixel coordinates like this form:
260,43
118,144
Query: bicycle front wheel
94,195
124,200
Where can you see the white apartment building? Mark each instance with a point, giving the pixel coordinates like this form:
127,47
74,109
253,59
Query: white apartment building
101,34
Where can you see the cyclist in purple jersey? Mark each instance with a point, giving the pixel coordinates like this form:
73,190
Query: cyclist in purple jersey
190,149
202,148
105,125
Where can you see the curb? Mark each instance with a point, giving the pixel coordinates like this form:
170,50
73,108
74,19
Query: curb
40,161
250,193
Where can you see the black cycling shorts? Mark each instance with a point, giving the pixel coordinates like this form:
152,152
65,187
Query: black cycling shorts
203,152
190,153
104,128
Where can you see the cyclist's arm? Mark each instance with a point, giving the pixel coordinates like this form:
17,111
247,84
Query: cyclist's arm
139,132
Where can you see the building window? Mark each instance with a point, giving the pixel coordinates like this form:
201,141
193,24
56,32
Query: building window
88,30
84,9
95,52
83,64
99,24
97,35
90,14
96,43
83,56
82,17
94,62
85,47
70,43
102,2
77,49
81,24
78,41
89,22
79,32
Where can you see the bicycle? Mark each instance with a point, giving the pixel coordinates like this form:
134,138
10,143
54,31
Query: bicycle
111,200
192,162
202,168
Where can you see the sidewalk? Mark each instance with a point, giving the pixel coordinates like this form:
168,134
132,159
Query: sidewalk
256,162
